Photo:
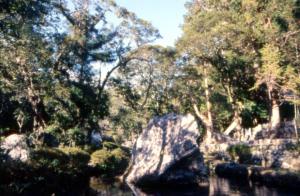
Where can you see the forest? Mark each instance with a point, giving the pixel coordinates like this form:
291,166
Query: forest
80,80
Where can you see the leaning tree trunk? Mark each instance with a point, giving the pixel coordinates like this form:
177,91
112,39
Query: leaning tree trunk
206,123
236,123
207,119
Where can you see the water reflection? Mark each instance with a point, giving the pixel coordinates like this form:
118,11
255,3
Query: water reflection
221,186
98,187
217,186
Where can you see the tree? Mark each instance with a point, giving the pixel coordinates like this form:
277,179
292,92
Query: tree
271,74
232,37
146,87
90,40
21,68
48,50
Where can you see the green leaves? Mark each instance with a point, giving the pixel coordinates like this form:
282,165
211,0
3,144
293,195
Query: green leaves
252,49
47,53
270,72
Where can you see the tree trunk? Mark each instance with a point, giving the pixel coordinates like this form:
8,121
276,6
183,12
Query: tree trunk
275,115
237,121
209,126
274,112
235,125
38,120
20,121
33,98
207,119
295,117
205,122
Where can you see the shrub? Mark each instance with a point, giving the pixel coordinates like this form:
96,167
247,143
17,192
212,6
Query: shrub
110,162
122,158
49,158
49,169
78,158
59,158
75,137
47,140
240,152
54,130
109,145
43,139
101,158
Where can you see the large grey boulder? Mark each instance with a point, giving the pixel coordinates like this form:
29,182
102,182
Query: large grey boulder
16,147
167,152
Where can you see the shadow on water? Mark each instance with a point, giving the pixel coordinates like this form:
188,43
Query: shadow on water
217,186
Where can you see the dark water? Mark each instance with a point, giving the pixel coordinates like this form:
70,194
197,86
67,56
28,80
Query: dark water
216,186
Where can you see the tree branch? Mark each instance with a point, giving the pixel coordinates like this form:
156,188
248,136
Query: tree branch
65,13
202,117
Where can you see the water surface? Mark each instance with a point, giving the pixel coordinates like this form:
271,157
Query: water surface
216,186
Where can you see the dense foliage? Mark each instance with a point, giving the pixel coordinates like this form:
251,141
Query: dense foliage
49,51
248,53
235,66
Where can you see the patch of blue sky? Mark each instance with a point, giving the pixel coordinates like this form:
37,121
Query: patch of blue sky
165,15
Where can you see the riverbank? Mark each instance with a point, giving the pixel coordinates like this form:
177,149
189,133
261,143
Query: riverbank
27,170
216,186
45,170
278,178
274,163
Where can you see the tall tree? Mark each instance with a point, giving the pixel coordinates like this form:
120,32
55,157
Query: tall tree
233,36
49,50
22,67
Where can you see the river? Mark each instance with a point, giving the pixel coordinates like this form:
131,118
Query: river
216,186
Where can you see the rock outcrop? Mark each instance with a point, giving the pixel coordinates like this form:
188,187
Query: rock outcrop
167,152
16,147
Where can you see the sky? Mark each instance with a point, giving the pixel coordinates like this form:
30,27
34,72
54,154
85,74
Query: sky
165,15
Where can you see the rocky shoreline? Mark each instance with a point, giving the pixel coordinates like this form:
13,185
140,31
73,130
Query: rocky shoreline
167,153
